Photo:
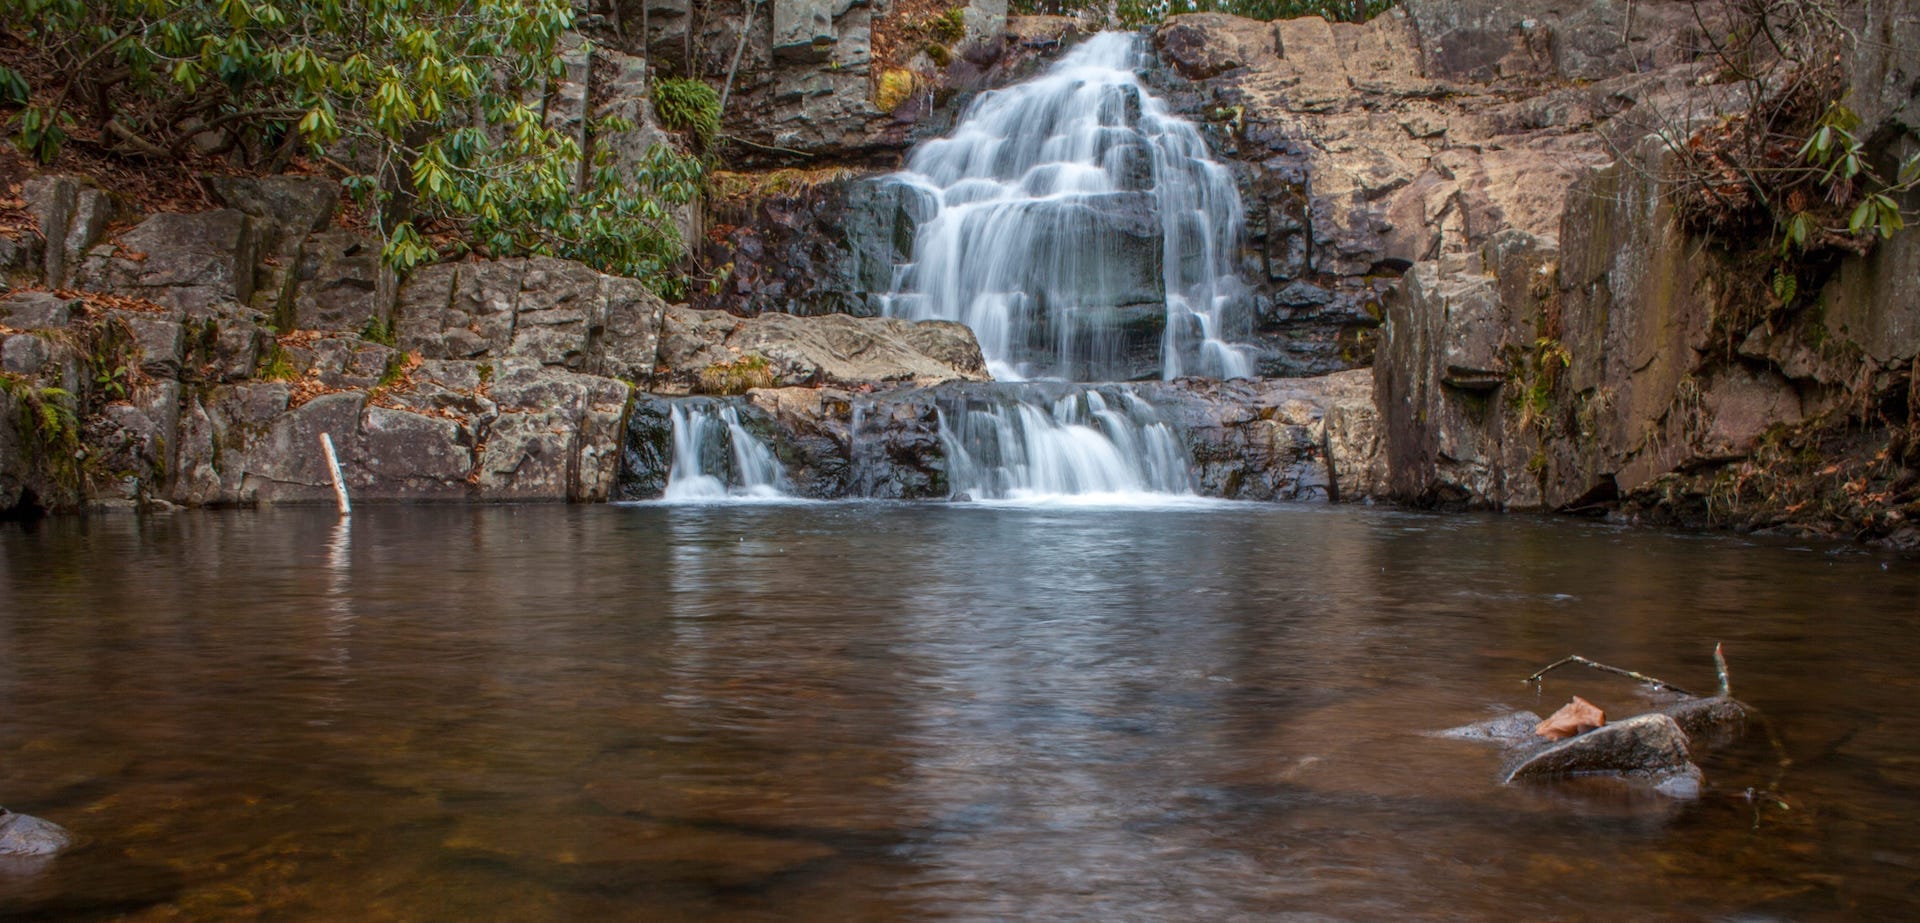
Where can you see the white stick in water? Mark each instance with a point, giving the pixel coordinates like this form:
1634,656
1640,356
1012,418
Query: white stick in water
333,466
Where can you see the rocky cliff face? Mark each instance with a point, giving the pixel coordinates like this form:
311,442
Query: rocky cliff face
1358,151
1613,360
152,370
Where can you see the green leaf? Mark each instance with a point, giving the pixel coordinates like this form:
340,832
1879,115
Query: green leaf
14,90
1862,213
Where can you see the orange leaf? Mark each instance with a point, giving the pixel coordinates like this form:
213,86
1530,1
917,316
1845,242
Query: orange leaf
1575,717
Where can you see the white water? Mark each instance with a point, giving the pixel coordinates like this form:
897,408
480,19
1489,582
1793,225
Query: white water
743,468
1097,448
1051,203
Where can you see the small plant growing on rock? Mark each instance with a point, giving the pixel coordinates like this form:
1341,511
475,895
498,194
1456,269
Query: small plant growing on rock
689,105
276,365
379,330
737,377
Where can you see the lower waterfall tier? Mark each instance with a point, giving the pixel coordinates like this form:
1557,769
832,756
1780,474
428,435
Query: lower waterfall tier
1284,439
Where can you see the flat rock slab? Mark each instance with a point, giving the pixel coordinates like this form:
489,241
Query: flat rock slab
1651,744
1512,729
26,835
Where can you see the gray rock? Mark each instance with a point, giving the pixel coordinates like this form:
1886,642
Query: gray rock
159,340
298,204
803,29
1711,721
72,213
1508,730
26,835
460,310
558,308
629,342
1651,744
834,350
182,261
22,259
24,354
338,283
37,310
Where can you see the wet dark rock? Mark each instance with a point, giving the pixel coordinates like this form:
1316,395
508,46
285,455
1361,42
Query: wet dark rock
1644,744
1711,721
1269,440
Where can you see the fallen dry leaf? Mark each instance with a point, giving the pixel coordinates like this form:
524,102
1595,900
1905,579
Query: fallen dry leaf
1575,717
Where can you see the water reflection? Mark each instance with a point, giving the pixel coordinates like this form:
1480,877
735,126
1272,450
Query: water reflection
874,711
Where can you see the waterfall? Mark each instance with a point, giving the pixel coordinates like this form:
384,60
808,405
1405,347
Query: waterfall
715,458
1084,442
1080,229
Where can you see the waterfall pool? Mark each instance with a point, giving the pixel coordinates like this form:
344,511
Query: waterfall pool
868,711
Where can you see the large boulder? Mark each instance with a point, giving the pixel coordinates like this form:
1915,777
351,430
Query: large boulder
183,261
1649,745
555,312
833,350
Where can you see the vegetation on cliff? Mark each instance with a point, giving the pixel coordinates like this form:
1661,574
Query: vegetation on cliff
433,111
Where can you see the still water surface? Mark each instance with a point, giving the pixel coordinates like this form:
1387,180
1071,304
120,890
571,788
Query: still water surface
874,712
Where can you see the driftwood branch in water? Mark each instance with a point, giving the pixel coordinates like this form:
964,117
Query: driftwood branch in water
1576,658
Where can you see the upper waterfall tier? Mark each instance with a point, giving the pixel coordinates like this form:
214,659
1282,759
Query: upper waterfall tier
1080,228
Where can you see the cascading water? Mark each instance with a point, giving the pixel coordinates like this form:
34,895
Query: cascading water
1080,229
715,458
1084,442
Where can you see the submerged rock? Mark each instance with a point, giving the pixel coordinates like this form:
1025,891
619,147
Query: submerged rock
1651,744
23,835
1510,730
1713,721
